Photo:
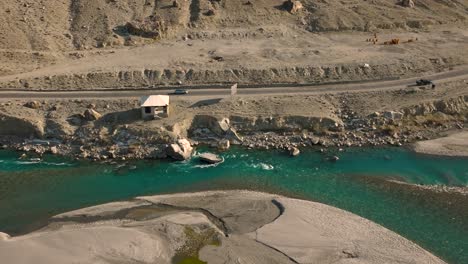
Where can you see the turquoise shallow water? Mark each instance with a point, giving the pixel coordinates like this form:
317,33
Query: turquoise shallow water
32,191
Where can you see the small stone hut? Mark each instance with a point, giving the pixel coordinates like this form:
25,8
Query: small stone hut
154,106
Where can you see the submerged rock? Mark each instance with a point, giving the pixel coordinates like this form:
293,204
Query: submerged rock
210,158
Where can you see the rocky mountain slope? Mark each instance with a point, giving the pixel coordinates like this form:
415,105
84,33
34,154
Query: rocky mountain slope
59,25
114,43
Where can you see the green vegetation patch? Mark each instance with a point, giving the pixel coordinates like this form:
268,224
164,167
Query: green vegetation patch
191,260
195,241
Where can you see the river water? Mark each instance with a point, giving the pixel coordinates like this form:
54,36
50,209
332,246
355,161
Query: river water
31,191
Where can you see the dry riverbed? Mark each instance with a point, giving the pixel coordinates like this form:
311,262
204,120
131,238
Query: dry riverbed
455,144
216,227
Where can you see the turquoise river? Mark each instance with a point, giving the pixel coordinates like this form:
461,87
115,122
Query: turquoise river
362,181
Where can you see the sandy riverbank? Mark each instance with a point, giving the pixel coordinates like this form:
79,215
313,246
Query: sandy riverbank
452,145
216,227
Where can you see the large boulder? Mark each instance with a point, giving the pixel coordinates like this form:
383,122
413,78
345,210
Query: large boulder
22,124
182,150
91,115
294,151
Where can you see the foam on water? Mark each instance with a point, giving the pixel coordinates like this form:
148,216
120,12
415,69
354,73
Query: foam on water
263,166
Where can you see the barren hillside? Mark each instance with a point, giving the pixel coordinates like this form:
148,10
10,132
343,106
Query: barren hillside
55,35
67,24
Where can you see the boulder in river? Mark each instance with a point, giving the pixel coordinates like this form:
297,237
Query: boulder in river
182,150
294,152
210,158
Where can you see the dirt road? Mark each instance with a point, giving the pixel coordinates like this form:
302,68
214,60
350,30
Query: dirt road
459,73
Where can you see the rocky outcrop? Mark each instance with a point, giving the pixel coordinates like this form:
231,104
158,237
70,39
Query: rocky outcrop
30,125
146,28
458,105
206,126
285,123
182,150
217,125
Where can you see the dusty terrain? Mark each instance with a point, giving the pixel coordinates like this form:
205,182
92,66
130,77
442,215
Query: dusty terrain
451,145
125,44
90,44
217,227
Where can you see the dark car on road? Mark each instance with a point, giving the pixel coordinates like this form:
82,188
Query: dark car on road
180,91
422,82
